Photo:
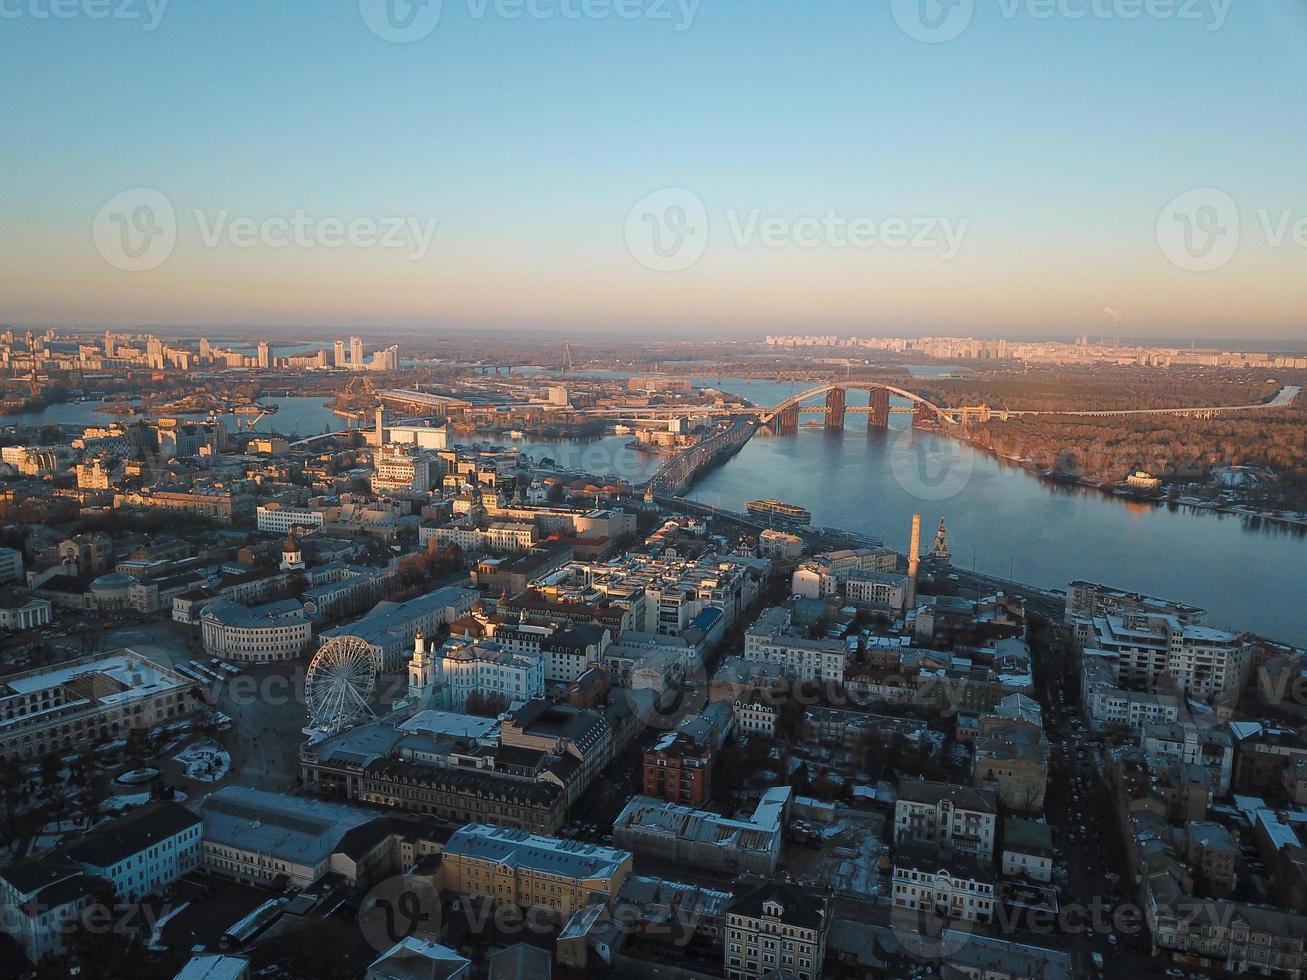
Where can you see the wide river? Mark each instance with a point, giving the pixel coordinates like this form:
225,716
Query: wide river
1001,520
1004,522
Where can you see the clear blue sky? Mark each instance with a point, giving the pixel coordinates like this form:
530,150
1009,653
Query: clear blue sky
1058,141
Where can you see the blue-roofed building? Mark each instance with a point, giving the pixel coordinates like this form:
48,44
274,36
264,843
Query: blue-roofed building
530,870
391,627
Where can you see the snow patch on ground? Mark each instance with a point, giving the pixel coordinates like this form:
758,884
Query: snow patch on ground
205,762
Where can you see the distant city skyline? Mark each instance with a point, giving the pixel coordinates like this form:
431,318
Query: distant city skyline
723,170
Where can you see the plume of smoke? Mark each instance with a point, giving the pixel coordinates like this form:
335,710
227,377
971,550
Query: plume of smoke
1115,314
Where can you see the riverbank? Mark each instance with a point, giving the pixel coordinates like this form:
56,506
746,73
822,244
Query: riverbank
1294,520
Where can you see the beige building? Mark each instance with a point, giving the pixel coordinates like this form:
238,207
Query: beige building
958,817
528,871
776,929
1014,764
73,704
936,881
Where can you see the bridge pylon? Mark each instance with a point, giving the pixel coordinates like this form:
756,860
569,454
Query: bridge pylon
878,409
787,422
835,405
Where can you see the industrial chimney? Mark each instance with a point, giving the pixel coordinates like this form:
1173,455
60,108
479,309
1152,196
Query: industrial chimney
914,561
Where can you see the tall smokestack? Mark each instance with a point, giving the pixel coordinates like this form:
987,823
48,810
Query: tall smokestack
381,426
914,560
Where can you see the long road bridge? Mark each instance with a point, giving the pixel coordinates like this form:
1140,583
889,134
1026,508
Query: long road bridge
681,470
784,418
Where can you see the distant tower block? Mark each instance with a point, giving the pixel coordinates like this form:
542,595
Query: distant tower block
835,409
940,551
878,409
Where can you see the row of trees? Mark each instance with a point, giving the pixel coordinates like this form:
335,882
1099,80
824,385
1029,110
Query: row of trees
1109,449
1058,388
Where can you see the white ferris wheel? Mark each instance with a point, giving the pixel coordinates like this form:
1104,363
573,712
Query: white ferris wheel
340,683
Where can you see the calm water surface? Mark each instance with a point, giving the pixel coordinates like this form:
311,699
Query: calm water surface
1004,522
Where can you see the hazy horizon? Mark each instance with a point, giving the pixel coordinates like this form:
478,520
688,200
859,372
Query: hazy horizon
681,167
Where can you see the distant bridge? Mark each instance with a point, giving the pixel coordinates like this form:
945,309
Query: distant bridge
423,401
785,416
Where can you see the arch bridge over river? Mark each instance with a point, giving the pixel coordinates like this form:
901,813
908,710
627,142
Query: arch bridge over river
679,471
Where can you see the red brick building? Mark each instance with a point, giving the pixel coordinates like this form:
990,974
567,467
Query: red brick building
679,770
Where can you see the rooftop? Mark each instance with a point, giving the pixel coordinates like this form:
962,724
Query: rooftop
548,855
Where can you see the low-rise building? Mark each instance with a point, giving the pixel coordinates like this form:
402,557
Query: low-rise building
20,611
454,794
774,639
959,818
779,545
279,519
1013,763
11,565
391,627
481,671
951,884
269,633
701,838
756,717
70,705
1185,742
126,860
1232,936
679,770
531,871
1213,854
775,929
1027,850
1108,704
